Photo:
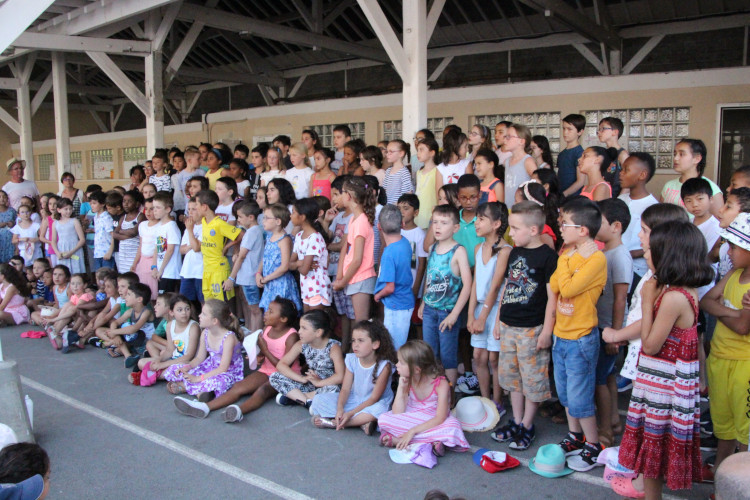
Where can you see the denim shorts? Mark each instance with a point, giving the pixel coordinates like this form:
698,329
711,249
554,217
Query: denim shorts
100,262
575,373
445,343
252,294
397,323
192,288
605,365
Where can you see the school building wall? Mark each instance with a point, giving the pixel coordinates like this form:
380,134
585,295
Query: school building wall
700,91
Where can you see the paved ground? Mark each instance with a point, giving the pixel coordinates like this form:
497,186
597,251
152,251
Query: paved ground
108,439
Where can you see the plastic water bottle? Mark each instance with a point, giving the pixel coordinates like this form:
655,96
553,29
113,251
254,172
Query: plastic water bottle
30,410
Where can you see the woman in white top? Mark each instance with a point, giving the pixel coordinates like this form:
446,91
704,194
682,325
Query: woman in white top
455,164
16,188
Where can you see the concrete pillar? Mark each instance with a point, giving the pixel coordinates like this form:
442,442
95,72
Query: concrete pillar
62,130
733,478
155,97
415,81
12,407
25,138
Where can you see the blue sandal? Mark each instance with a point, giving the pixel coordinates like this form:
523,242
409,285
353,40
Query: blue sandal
506,432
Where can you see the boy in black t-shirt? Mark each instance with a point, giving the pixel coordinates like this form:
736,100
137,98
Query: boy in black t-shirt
525,324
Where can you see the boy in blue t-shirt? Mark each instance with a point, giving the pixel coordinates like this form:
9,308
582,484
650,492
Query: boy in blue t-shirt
571,180
394,284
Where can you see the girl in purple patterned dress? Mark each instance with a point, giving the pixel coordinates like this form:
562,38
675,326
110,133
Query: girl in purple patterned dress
217,365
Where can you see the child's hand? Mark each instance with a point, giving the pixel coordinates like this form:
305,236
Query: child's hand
331,214
228,285
404,440
155,365
588,249
650,291
420,311
155,274
608,335
184,369
611,349
314,379
107,256
544,341
342,419
259,280
496,331
339,285
746,300
447,323
189,223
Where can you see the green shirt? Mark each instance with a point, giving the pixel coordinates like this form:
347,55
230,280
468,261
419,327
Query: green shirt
467,236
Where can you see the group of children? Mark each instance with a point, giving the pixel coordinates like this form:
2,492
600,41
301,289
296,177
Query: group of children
485,265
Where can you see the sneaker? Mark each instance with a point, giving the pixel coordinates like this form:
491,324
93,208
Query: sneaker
707,429
283,400
705,417
709,443
624,384
506,432
707,472
572,445
523,438
704,395
94,341
233,414
586,460
191,408
131,361
470,385
463,377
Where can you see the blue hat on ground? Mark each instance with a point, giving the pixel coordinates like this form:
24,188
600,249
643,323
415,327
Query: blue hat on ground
550,462
29,489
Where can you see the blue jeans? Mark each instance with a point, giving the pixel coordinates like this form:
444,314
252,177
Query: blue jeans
575,373
445,343
192,288
397,323
100,262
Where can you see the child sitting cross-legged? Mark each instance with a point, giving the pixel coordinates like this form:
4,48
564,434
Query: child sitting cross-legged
134,326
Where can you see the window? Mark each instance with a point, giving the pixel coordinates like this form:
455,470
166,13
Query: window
392,129
650,130
132,156
46,166
102,165
76,165
544,123
325,132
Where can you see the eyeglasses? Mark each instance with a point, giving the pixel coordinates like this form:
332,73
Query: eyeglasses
473,133
570,225
468,198
602,129
511,137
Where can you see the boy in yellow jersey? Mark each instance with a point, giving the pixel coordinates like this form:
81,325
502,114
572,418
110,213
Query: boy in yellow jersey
216,266
576,286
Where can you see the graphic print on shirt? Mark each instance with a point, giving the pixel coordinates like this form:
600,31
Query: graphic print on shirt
180,346
521,285
438,283
338,234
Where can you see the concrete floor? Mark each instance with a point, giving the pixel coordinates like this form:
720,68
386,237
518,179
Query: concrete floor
109,439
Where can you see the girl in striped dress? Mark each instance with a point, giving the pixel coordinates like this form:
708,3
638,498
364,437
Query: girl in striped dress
421,407
126,231
662,439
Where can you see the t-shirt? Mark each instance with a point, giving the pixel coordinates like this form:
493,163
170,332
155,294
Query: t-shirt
29,251
192,262
242,186
253,242
711,232
671,192
212,242
17,190
630,236
453,171
525,297
167,233
148,238
338,161
415,237
182,178
224,212
299,178
338,227
619,270
103,226
162,183
567,166
396,184
635,313
361,227
394,268
467,236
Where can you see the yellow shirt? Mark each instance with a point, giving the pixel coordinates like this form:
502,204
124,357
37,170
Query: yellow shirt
212,243
213,177
578,283
726,344
427,197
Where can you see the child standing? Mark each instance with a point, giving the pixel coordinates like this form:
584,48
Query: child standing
45,231
421,407
216,169
454,164
576,286
371,159
429,180
214,246
524,327
571,180
394,283
246,263
26,236
696,197
409,205
161,180
321,179
609,132
104,243
217,365
661,439
273,271
397,180
593,163
468,198
324,360
8,217
275,168
226,190
299,176
68,238
13,290
690,162
487,169
447,289
520,165
126,232
310,255
166,269
366,391
145,258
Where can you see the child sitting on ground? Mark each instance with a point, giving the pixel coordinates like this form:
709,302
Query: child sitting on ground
133,327
56,325
366,391
13,290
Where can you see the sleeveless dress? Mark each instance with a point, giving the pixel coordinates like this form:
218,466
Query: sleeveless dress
318,360
662,433
48,250
67,239
284,286
16,307
326,405
483,274
277,347
128,248
218,384
321,187
420,411
590,193
427,196
6,237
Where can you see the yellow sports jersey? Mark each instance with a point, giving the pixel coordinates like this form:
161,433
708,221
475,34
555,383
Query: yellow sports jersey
212,244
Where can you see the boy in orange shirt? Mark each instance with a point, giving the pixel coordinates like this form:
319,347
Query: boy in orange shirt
577,285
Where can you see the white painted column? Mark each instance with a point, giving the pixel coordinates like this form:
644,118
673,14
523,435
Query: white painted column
62,130
415,80
25,138
154,92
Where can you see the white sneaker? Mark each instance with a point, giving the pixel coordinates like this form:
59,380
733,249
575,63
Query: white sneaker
191,408
233,413
470,385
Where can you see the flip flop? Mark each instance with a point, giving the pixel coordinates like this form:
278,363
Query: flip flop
175,388
624,487
323,423
369,428
386,440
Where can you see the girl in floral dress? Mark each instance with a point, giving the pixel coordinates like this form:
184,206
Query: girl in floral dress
310,255
273,273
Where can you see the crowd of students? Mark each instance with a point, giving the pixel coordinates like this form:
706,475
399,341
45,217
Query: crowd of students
482,253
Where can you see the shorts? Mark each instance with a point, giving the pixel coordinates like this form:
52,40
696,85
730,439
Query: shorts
729,380
486,340
168,285
252,294
521,368
605,364
343,303
317,300
365,286
192,289
397,323
100,262
575,372
135,340
445,343
213,283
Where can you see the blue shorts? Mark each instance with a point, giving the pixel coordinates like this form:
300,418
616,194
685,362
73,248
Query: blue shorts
445,343
605,365
397,322
99,262
192,288
575,373
252,294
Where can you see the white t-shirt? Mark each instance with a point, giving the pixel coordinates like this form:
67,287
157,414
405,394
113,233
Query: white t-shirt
630,236
224,212
29,251
630,365
17,190
299,178
192,262
242,186
453,171
167,233
415,237
711,231
253,242
148,238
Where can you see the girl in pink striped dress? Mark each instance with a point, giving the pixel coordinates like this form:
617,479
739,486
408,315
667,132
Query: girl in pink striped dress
421,408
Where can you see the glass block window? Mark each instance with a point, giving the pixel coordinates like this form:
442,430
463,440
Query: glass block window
132,156
76,164
325,132
392,129
46,166
102,165
650,130
544,123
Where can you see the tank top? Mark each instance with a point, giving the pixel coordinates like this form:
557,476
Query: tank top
483,274
277,347
487,194
321,187
442,286
181,339
62,297
515,175
49,249
590,194
427,196
213,177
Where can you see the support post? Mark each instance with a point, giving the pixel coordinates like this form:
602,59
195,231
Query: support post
155,98
62,131
24,120
415,80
